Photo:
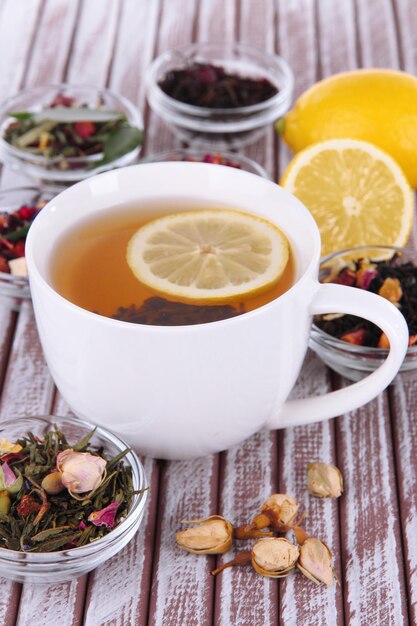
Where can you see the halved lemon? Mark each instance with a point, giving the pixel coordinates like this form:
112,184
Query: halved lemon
208,255
357,194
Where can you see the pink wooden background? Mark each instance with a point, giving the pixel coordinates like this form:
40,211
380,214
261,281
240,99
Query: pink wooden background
372,529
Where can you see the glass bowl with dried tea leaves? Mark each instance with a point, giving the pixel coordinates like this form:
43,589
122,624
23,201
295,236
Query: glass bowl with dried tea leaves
219,94
18,208
352,346
72,496
60,134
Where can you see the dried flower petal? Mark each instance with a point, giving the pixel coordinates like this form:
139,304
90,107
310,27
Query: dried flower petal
9,480
324,480
104,517
5,502
81,471
315,561
274,557
7,446
211,535
391,290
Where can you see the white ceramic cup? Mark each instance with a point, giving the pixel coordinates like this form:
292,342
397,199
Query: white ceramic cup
186,391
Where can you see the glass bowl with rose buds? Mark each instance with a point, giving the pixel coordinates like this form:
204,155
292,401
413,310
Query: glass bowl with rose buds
219,94
73,495
18,208
352,346
61,134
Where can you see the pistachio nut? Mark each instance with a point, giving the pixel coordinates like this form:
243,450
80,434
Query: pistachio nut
210,535
324,480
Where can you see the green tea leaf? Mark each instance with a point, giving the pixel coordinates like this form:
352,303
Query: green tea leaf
82,443
120,141
49,532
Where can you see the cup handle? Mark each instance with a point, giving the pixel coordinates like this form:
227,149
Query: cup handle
332,298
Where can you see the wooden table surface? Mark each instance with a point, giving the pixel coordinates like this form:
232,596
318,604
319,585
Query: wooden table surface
372,528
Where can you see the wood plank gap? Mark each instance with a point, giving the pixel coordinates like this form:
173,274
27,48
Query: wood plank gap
396,465
147,110
316,20
238,26
72,41
396,21
358,47
161,467
6,348
32,42
114,42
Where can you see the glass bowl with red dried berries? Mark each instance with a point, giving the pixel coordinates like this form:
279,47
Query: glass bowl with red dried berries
205,155
353,346
19,206
219,94
60,134
72,496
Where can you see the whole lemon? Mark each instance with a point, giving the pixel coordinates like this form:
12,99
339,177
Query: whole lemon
375,105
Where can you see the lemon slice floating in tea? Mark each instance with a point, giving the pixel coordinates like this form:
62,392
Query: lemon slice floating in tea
208,255
357,194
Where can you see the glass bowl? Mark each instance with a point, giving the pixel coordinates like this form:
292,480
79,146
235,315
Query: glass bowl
16,288
221,127
201,155
59,566
57,171
355,361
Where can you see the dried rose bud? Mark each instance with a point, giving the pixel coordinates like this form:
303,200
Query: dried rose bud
105,517
315,561
324,480
274,557
212,535
280,509
9,480
52,483
81,471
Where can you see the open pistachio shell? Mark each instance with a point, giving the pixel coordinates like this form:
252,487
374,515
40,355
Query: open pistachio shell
210,535
315,561
324,480
274,557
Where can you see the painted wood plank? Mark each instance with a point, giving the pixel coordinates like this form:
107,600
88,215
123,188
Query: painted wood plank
248,478
134,48
94,41
52,604
371,540
182,588
176,28
336,37
407,24
377,34
17,29
301,601
52,43
257,27
28,388
404,424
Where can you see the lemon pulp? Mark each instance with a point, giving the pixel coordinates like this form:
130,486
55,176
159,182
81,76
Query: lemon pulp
208,255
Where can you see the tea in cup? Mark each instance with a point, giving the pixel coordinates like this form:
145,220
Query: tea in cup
200,384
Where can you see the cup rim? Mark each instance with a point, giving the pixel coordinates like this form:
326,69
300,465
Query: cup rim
311,264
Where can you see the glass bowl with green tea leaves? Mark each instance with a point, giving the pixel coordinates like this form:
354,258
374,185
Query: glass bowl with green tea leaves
219,94
352,346
19,206
73,495
60,134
